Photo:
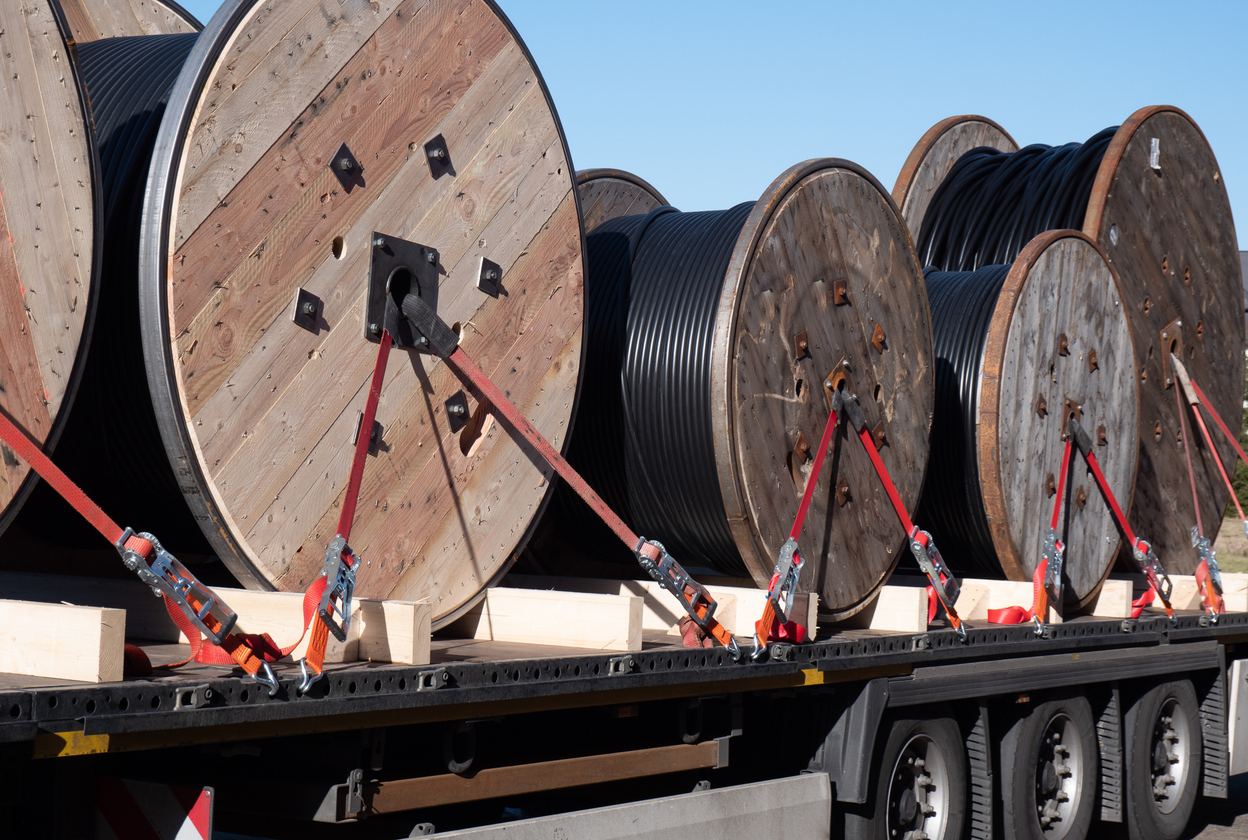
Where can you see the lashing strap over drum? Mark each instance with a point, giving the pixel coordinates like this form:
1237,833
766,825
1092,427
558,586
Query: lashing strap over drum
195,609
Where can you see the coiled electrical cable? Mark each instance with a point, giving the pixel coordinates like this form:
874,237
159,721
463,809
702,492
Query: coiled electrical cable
952,505
992,203
643,438
111,445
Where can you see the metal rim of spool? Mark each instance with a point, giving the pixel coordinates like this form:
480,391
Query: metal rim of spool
988,431
586,176
723,387
57,424
918,161
182,450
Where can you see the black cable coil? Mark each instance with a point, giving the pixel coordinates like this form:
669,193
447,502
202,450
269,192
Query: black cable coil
992,203
952,505
111,446
643,435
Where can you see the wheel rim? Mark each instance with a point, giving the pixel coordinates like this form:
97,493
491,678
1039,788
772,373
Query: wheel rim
918,792
1170,756
1060,775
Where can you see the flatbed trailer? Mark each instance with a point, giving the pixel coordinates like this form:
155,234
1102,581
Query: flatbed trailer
492,731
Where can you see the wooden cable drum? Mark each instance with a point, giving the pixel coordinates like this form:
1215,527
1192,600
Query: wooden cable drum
451,171
1151,196
50,234
1020,348
611,193
710,337
935,154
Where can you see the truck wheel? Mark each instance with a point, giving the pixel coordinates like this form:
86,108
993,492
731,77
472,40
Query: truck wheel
920,785
1050,763
1162,734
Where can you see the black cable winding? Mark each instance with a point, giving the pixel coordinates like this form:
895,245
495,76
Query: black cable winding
993,203
952,504
111,446
643,435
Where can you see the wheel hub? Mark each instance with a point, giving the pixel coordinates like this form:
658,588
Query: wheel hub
918,792
1171,753
1059,776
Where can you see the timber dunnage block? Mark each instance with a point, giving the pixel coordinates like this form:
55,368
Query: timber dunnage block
452,144
1159,211
62,641
710,336
1025,348
612,193
50,234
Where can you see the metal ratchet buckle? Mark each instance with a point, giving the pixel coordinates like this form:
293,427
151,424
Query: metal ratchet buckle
672,577
1052,551
1153,570
166,575
341,585
1205,551
944,584
785,575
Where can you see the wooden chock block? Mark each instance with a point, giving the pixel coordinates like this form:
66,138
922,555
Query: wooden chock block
546,617
980,595
1235,591
62,641
1184,594
395,631
1112,601
901,609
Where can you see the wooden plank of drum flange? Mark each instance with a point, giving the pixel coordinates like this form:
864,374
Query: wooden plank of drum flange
266,409
48,233
820,224
1059,288
1169,234
612,194
91,20
935,154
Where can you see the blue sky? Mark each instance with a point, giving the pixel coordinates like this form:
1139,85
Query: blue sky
710,101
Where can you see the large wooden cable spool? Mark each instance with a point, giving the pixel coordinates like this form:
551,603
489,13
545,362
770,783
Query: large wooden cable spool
935,154
611,193
1168,232
1022,348
730,322
242,212
50,235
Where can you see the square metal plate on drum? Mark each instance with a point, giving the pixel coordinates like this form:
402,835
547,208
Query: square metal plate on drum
345,167
438,155
489,277
457,411
307,309
398,267
374,437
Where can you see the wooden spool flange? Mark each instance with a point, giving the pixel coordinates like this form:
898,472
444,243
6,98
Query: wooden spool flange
243,210
1058,334
91,20
613,193
50,234
824,254
935,154
1168,233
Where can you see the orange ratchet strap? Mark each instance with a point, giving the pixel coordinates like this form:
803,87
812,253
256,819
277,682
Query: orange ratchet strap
650,554
1208,577
194,607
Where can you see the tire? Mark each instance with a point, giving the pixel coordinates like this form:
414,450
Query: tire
1162,780
898,792
1050,768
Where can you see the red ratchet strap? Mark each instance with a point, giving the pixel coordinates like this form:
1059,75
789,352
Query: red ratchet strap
195,608
650,554
1046,583
943,587
1208,577
330,595
775,621
1145,558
